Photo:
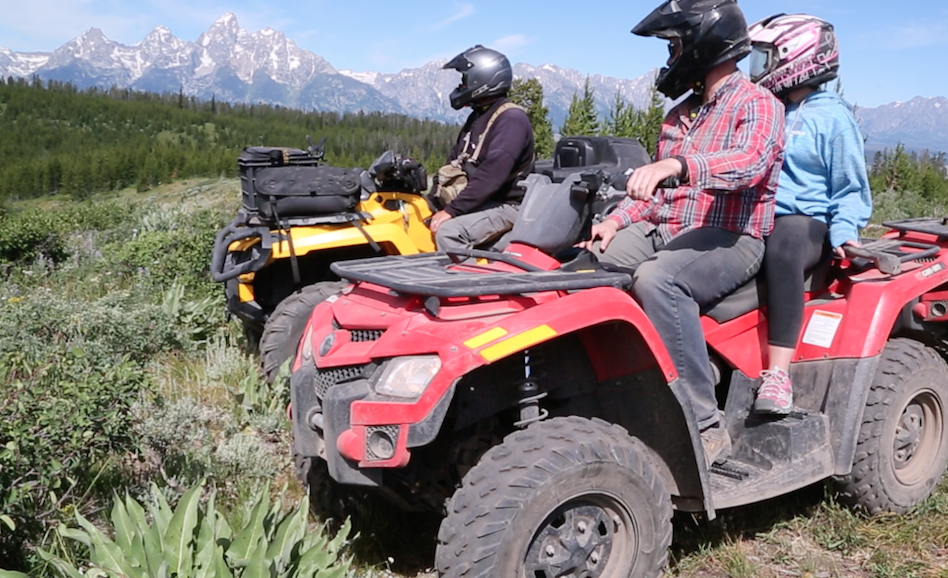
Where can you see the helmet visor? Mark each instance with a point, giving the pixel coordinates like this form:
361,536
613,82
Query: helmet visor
760,61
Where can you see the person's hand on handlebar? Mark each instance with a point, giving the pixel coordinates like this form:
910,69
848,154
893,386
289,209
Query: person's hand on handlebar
605,231
644,180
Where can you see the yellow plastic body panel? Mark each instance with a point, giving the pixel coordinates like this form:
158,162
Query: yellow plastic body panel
403,230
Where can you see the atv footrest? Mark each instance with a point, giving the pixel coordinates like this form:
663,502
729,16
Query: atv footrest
729,470
771,456
436,274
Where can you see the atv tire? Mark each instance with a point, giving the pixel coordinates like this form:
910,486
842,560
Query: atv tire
284,327
902,448
565,497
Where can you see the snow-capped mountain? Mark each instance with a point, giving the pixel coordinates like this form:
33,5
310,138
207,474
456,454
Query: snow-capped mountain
918,124
231,64
424,91
226,62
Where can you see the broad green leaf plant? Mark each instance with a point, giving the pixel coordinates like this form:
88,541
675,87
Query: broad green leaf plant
192,541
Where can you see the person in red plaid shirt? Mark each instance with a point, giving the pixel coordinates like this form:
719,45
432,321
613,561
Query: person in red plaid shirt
694,244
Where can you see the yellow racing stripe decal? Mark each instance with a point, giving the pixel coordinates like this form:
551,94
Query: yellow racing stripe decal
518,342
486,337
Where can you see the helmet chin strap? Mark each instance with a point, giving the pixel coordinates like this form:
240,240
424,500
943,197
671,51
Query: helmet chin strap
698,88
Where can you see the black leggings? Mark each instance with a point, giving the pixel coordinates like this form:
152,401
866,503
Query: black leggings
797,244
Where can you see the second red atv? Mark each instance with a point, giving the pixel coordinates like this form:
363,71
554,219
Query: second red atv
530,399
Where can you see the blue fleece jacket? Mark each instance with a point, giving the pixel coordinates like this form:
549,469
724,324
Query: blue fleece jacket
824,167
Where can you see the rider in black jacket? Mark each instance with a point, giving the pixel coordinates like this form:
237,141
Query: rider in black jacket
488,206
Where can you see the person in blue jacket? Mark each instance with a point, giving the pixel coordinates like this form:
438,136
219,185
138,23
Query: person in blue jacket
823,195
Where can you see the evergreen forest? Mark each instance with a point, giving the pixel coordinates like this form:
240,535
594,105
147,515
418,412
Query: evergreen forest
59,139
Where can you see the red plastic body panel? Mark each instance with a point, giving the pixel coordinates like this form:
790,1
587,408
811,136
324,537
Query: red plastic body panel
864,306
410,330
853,320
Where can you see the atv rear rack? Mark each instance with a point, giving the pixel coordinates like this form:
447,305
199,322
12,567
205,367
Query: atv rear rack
432,274
931,225
889,254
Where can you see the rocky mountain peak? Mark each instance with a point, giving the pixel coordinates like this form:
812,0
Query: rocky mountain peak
229,63
91,41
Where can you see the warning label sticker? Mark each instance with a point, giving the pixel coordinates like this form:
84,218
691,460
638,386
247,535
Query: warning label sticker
822,328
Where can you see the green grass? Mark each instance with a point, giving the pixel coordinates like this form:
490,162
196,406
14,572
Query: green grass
808,534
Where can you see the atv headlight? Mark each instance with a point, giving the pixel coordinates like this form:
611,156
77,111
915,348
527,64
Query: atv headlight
408,376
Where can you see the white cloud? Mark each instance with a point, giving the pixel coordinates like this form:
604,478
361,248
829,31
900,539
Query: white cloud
464,10
511,42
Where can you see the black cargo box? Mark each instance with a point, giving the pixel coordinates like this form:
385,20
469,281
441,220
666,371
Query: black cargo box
285,182
580,153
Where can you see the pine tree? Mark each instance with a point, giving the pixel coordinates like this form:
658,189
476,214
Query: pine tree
582,118
650,127
529,95
625,120
619,122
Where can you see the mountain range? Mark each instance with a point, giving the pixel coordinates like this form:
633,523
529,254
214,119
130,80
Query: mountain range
229,63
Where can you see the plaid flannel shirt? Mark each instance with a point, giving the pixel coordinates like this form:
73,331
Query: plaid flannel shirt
734,152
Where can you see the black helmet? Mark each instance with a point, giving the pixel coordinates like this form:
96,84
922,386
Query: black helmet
485,74
710,32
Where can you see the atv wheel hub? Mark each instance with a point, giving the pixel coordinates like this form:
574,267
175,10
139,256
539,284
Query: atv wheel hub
917,437
579,539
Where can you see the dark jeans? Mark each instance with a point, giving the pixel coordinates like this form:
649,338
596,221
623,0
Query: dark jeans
796,245
672,283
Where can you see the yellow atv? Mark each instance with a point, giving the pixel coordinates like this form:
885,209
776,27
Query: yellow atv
298,217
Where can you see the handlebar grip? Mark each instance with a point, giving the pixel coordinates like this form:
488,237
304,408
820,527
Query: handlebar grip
620,179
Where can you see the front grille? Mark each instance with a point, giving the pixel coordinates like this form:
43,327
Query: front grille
328,378
362,335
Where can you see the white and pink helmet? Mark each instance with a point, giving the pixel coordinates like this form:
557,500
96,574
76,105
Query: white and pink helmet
790,51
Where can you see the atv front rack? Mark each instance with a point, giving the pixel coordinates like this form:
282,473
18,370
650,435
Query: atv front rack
440,275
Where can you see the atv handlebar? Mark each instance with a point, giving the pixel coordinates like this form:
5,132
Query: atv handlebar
619,180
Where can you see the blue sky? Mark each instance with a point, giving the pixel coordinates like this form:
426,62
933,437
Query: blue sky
890,50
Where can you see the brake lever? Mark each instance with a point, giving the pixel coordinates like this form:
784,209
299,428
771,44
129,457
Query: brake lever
884,262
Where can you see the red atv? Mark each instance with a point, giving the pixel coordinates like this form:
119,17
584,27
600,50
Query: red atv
531,400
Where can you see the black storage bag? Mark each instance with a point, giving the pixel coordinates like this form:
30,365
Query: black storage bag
287,182
295,191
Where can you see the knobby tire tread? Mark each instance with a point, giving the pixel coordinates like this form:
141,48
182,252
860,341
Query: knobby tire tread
864,488
493,492
284,328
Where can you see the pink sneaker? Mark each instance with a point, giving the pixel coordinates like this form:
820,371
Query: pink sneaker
775,395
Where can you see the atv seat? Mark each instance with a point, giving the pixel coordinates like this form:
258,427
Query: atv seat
750,295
